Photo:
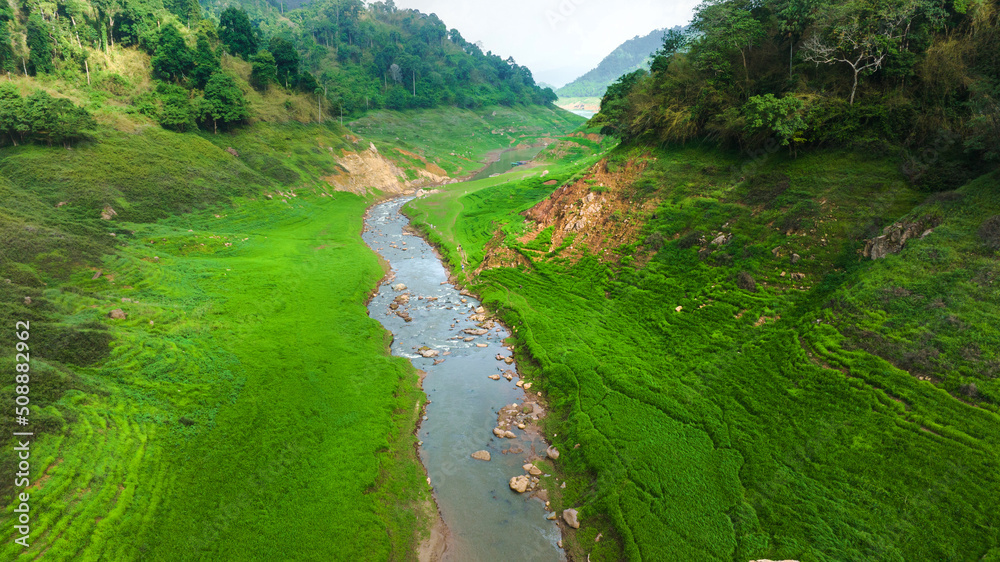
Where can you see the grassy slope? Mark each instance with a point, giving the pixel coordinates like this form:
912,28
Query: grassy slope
459,140
259,412
715,433
439,216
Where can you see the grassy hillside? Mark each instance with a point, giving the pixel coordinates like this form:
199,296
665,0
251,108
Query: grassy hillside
246,403
460,140
712,407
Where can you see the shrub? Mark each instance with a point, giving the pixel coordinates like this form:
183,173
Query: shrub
746,282
690,239
989,232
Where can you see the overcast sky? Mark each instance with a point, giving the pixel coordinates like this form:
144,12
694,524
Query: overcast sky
557,39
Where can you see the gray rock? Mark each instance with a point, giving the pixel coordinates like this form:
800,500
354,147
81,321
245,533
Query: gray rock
552,453
795,258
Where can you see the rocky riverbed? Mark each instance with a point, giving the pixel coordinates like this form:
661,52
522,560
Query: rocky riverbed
479,431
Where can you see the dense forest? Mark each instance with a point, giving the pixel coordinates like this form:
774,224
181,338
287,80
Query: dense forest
350,56
912,76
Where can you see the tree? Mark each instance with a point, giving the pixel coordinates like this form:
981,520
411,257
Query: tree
236,32
795,16
223,101
614,105
55,120
286,58
40,59
7,60
177,113
263,70
728,24
12,113
173,59
206,61
781,117
862,38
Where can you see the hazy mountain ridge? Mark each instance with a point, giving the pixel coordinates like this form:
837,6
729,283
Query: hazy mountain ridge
631,55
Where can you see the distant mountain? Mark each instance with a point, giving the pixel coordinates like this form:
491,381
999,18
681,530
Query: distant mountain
631,55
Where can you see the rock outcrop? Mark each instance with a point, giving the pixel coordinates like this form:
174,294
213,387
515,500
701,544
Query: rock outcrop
895,235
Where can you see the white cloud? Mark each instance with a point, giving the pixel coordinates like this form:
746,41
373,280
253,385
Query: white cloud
557,39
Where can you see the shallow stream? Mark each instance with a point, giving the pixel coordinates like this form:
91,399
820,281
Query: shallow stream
486,520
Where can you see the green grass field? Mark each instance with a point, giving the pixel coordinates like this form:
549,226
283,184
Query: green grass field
748,424
247,407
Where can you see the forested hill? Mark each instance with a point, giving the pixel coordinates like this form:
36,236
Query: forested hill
911,77
185,66
627,57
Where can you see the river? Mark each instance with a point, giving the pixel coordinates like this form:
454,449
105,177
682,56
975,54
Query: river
486,520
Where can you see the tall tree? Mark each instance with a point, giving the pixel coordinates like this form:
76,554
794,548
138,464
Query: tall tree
286,58
173,59
729,24
206,61
40,59
263,70
7,60
236,32
862,36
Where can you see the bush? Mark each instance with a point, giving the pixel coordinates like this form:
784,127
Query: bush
989,232
690,239
746,282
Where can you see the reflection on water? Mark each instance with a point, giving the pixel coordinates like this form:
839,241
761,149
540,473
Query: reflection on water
487,520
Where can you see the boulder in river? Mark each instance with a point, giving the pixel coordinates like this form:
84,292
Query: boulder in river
480,310
520,484
399,287
481,455
570,517
552,453
510,434
402,299
428,353
498,431
476,331
495,377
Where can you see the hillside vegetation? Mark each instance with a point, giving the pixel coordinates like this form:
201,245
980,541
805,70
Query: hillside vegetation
713,397
910,79
733,376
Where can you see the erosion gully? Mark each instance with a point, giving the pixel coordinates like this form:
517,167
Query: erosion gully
485,518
